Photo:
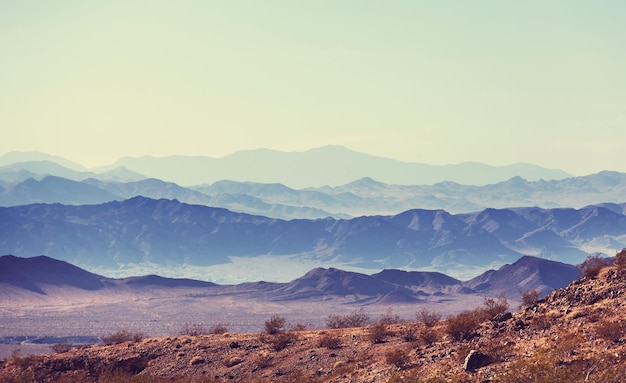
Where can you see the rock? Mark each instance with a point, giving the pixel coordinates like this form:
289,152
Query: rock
196,360
502,317
475,360
233,361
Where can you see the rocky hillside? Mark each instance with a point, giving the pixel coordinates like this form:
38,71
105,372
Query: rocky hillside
575,334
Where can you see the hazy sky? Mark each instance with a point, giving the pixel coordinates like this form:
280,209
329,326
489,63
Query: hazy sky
422,81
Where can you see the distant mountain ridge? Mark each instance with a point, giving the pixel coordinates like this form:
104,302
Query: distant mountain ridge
33,156
20,171
39,274
365,196
328,165
168,232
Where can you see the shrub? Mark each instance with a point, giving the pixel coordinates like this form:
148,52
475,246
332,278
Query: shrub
61,347
218,329
121,337
530,297
592,266
275,325
378,333
611,331
496,349
620,261
357,318
409,333
23,362
390,318
298,327
463,325
264,361
541,322
546,367
192,329
329,341
282,340
428,336
428,318
398,357
492,307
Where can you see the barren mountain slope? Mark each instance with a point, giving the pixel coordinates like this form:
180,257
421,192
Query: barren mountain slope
575,334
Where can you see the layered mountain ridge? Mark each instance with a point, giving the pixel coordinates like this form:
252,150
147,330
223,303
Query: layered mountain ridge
20,184
169,233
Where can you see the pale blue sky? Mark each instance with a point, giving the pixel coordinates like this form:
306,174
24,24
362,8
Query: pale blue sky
422,81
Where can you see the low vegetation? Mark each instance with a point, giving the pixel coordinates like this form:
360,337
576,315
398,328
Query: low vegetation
530,297
275,325
428,318
357,318
61,347
121,337
330,341
592,266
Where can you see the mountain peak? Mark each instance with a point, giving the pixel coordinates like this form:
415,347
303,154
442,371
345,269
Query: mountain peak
34,156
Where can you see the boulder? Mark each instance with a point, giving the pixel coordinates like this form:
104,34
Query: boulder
475,359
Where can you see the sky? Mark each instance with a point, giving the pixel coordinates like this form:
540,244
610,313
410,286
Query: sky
436,82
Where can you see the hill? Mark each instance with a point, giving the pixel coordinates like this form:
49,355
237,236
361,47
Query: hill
575,334
44,276
33,274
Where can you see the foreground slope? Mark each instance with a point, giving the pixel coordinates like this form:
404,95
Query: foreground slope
575,334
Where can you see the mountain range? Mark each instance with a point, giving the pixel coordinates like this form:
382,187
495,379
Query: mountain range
35,182
44,276
329,165
169,234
